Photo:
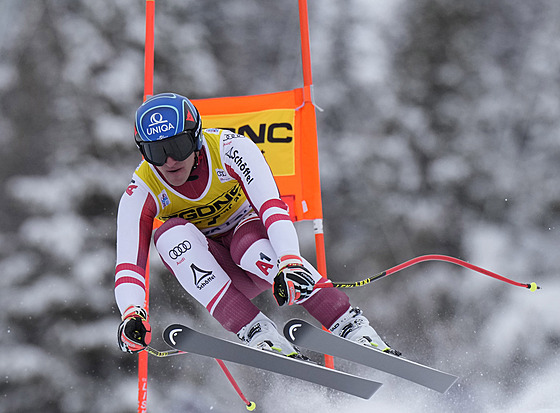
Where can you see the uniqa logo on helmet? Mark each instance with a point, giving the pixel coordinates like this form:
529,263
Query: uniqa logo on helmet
160,122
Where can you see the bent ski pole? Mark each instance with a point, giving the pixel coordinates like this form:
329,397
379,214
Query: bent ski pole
250,405
432,257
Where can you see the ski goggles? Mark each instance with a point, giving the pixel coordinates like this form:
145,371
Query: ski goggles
178,147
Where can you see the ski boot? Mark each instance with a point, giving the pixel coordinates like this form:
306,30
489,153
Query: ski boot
261,333
353,326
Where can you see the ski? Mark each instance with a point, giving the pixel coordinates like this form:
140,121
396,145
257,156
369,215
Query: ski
186,339
303,334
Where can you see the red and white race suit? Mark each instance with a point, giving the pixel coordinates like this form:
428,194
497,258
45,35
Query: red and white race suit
223,231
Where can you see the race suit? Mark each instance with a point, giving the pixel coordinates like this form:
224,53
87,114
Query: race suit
222,233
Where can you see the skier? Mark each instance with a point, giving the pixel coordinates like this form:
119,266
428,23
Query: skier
226,234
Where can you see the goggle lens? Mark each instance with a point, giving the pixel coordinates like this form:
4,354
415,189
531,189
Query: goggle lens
178,147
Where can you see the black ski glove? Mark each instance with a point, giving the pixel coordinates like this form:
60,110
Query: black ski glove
294,282
134,332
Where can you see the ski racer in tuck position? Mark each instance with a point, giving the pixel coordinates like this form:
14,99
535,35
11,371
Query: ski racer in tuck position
226,235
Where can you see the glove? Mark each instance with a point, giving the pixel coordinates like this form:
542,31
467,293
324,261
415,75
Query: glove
294,282
135,332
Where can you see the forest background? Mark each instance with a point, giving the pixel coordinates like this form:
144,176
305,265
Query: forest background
439,133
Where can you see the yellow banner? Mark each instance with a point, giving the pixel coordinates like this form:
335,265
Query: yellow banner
272,130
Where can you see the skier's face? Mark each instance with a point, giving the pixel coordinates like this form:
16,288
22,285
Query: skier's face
177,172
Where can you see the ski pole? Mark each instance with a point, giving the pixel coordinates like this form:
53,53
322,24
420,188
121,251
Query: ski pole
164,353
432,257
250,405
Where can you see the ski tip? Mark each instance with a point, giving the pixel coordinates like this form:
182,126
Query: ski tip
170,333
290,329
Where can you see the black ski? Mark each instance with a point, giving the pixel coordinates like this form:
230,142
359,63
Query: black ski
184,338
303,334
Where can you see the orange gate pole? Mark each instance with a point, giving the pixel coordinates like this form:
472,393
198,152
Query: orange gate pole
308,99
148,91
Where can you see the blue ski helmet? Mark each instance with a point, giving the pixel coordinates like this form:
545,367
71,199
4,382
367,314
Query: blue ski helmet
167,124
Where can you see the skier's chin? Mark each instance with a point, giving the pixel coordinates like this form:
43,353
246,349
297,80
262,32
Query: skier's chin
177,177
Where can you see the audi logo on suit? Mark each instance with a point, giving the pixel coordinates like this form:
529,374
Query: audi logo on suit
179,249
